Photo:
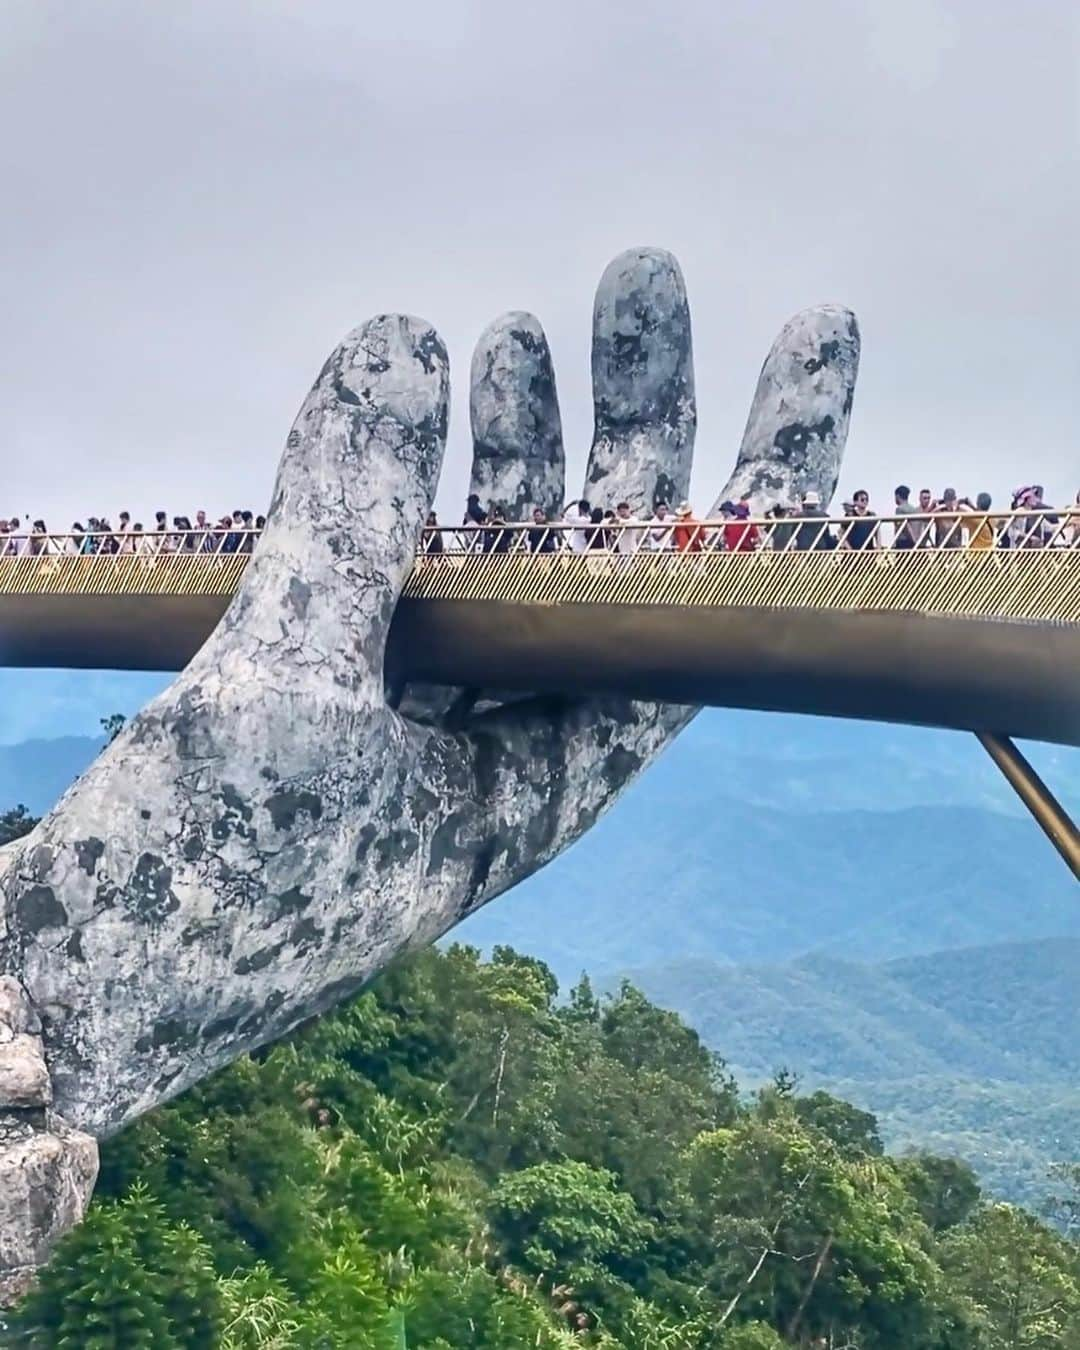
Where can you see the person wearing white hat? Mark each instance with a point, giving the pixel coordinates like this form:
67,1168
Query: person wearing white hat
689,537
814,534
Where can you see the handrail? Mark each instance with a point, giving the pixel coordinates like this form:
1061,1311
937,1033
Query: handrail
933,531
1001,565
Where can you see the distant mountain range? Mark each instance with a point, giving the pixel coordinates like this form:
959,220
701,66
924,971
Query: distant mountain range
758,839
761,839
974,1051
766,876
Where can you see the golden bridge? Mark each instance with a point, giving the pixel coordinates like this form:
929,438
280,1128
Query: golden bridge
819,616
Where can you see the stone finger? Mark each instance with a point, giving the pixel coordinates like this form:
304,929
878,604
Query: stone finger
355,483
643,384
798,424
518,460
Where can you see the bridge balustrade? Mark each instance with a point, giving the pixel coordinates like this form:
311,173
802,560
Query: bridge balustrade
1006,565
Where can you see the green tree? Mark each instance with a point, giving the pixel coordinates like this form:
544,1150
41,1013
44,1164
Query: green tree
15,823
946,1190
1021,1276
571,1225
124,1279
112,726
854,1132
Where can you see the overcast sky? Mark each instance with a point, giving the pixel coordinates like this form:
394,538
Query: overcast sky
201,198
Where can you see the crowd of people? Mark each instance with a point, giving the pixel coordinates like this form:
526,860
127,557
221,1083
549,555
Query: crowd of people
945,521
928,521
234,532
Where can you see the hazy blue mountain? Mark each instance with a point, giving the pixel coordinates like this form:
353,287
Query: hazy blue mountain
761,838
40,704
37,772
974,1051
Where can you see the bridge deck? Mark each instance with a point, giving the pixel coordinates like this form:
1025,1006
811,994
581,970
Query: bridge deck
980,640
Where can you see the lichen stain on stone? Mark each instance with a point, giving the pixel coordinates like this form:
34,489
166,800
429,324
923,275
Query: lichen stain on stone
305,932
248,965
38,909
40,861
286,805
299,597
88,852
292,901
150,889
172,1032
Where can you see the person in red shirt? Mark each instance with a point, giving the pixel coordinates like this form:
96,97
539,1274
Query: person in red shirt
689,537
739,535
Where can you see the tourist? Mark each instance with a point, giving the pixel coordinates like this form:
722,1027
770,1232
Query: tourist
597,536
1023,529
431,540
861,533
688,535
625,538
659,536
1047,524
924,531
541,538
979,524
38,543
1072,520
576,515
948,532
497,538
905,534
736,535
783,531
815,535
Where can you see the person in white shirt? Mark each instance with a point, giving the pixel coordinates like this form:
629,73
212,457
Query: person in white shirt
659,536
577,514
625,539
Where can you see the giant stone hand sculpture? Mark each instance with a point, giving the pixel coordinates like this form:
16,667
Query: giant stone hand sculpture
268,833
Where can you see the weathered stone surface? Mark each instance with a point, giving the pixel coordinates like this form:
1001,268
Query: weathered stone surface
303,833
798,423
643,383
518,459
46,1180
24,1080
16,1012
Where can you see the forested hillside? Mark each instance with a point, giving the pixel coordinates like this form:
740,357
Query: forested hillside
458,1159
976,1051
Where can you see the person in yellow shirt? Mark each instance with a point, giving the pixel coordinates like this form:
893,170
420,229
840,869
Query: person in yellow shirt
979,525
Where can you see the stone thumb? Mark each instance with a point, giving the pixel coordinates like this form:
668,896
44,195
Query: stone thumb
359,471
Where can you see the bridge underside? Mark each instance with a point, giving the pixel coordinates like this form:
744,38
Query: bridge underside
982,675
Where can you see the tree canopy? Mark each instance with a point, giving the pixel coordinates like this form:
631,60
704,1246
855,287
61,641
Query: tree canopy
460,1158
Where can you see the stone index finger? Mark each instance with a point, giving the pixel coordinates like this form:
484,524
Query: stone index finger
643,383
798,424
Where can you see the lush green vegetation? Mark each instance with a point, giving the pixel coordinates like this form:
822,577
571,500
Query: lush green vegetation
974,1052
458,1159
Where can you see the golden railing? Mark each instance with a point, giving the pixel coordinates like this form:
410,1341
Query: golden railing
194,563
1016,565
1022,565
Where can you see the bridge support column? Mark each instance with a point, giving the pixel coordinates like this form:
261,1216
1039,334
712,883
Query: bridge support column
1036,796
